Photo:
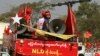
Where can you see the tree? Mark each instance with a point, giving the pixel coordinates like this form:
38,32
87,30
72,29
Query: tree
88,18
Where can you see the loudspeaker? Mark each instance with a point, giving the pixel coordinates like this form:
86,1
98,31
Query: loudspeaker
57,26
17,27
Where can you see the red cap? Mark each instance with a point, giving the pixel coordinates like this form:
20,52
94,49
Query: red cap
45,12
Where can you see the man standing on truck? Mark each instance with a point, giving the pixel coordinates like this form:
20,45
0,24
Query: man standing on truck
43,23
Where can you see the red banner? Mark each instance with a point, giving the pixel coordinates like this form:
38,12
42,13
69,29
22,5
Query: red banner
46,48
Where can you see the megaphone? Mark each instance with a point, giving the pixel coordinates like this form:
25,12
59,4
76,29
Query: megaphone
20,29
57,26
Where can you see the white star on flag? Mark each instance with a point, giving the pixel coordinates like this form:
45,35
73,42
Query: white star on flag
16,19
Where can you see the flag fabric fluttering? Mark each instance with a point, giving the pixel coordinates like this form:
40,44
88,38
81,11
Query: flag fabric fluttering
7,30
88,45
97,44
25,13
71,22
87,34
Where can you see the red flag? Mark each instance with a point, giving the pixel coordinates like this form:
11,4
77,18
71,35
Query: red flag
71,22
87,34
5,30
88,45
8,30
97,54
97,44
25,13
28,12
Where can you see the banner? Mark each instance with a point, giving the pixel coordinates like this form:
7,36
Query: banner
46,48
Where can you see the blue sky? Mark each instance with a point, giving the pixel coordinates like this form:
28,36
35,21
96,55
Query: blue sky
6,5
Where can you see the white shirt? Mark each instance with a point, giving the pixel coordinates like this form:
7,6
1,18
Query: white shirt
40,23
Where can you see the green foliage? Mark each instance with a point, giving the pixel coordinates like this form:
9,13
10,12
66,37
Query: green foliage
88,18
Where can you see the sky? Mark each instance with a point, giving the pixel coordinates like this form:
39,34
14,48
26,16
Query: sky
6,5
